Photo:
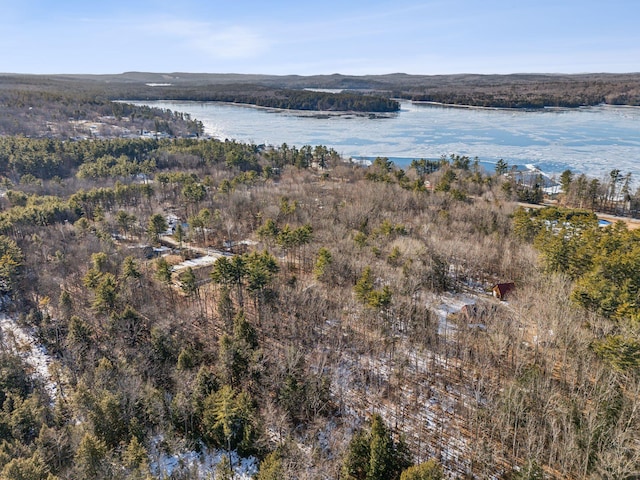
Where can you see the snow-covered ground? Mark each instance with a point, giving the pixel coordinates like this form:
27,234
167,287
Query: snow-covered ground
197,262
22,342
426,406
449,303
203,463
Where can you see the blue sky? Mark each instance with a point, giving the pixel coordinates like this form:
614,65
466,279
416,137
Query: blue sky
297,37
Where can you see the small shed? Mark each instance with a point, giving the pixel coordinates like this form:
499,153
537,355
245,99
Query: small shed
500,290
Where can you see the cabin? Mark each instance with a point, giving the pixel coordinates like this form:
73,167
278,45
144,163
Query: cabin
501,290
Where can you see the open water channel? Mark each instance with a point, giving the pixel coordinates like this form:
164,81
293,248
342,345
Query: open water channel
591,140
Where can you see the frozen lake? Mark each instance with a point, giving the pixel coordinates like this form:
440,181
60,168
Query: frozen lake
591,140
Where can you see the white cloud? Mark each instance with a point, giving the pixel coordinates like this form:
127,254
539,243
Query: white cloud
215,41
234,42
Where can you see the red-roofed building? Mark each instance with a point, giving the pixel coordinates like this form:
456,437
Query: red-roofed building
500,290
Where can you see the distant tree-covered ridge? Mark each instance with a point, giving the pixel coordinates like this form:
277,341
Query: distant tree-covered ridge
530,92
369,93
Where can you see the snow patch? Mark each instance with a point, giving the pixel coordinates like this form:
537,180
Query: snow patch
196,262
450,303
23,343
203,464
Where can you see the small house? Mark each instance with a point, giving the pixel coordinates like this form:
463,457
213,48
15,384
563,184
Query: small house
500,290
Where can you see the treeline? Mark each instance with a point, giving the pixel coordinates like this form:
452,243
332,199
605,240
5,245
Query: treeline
26,160
529,92
44,159
612,194
510,100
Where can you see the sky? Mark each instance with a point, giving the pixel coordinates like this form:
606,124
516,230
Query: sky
307,37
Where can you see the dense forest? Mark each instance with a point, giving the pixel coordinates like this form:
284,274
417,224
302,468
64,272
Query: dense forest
223,310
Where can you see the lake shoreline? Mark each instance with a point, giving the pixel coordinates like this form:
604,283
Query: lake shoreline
480,107
519,109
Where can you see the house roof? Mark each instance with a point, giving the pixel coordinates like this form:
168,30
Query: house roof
501,289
